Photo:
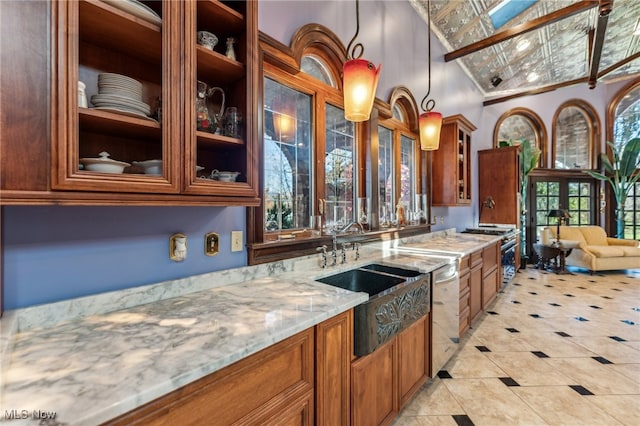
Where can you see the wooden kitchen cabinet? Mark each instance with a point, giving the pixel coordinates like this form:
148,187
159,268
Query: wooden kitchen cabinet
451,163
499,187
374,393
91,37
283,373
334,352
386,379
475,286
491,279
413,362
465,295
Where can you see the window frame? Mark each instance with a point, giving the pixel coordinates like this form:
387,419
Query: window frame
610,220
593,122
282,64
536,123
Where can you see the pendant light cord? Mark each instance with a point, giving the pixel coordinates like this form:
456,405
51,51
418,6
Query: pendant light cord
428,104
358,47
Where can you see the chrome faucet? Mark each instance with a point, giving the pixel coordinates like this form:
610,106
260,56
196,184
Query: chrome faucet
356,248
334,250
349,226
323,249
344,252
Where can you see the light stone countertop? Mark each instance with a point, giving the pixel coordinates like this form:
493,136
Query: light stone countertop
94,358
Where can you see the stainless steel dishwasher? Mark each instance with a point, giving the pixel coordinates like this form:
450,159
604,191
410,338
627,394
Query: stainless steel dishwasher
444,311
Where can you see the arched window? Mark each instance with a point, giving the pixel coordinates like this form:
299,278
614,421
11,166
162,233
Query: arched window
304,121
522,123
576,136
623,124
399,162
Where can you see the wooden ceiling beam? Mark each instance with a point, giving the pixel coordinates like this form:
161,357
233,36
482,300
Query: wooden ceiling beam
598,40
526,27
619,64
537,91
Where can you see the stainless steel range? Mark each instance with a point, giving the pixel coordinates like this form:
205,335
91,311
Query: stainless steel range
507,247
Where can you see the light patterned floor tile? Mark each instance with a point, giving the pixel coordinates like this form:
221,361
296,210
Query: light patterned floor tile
596,377
528,369
561,405
535,390
498,404
624,408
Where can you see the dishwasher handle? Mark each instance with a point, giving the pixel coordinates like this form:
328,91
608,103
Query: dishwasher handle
445,273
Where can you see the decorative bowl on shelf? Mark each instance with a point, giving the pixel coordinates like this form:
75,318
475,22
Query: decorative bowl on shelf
151,167
103,164
207,40
224,176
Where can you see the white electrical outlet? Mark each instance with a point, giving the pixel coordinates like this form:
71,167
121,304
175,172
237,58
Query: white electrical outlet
236,240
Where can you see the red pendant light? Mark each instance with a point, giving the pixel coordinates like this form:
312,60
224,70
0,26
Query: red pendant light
430,122
359,80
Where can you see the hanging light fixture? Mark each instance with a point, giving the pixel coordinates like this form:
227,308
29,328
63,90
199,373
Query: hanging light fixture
430,122
359,80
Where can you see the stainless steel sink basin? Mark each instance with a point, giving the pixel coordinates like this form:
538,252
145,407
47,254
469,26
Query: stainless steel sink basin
362,280
397,298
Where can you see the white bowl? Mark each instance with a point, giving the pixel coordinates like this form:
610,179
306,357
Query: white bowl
104,164
151,167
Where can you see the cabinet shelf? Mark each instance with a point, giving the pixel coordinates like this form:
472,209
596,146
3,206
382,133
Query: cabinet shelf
99,121
114,29
227,20
214,66
209,139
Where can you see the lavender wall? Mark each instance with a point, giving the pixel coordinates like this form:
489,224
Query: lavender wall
55,253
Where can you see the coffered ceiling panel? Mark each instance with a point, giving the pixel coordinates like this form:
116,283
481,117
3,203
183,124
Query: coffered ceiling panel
549,44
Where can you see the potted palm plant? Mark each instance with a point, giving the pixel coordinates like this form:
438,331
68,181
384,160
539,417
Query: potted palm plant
529,155
621,175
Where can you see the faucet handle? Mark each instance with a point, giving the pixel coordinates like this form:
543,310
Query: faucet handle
344,251
356,248
323,249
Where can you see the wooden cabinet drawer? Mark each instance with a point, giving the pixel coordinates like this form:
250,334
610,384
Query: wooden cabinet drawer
276,380
491,257
464,265
476,258
489,288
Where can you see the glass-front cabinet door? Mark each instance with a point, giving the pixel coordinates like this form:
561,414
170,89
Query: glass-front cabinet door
288,149
155,98
220,89
116,68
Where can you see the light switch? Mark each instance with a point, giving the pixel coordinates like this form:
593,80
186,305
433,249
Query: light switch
236,240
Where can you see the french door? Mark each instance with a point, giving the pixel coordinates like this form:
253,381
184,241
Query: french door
577,194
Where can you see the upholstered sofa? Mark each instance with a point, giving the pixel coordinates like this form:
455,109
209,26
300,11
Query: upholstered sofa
597,252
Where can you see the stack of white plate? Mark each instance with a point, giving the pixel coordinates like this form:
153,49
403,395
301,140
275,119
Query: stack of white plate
120,93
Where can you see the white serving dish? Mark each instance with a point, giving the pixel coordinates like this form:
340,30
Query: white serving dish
151,167
104,164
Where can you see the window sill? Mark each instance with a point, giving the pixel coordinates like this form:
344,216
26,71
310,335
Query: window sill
259,253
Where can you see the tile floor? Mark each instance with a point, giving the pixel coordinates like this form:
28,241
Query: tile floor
552,350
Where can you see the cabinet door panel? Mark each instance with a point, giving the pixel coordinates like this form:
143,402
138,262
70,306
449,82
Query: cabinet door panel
475,298
489,285
250,391
105,39
373,391
413,359
334,349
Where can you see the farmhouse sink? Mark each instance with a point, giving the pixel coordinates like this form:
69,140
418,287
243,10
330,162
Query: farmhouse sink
397,298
